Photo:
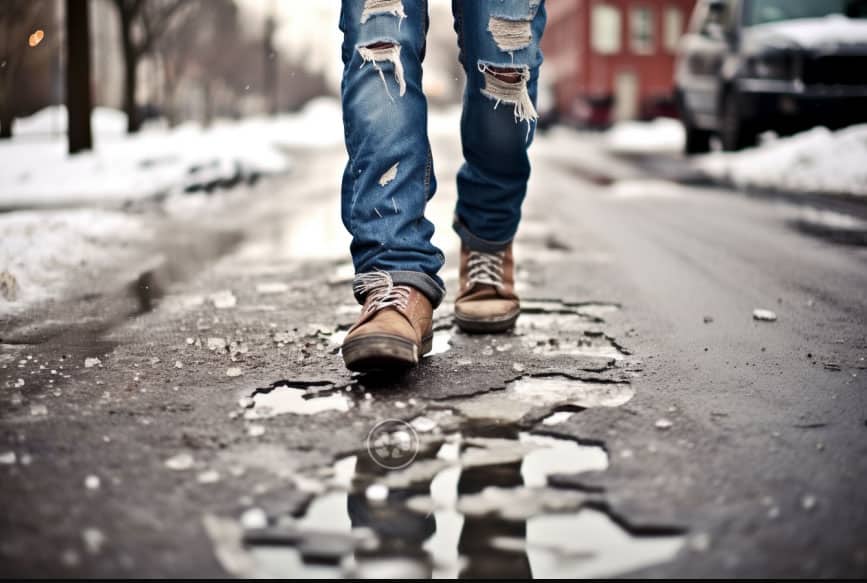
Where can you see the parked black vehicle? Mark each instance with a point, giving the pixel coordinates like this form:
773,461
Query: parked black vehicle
749,66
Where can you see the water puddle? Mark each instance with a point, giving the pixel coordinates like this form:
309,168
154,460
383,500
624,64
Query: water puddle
283,399
566,334
530,393
474,500
480,507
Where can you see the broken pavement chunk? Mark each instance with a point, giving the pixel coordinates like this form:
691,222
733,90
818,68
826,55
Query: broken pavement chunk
764,315
216,343
180,462
663,424
93,539
223,299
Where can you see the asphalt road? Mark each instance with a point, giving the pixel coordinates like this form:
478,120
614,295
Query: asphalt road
692,439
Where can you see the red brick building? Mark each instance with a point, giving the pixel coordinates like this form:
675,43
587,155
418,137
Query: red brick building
608,60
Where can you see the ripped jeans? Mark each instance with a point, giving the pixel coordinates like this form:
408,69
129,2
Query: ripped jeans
389,176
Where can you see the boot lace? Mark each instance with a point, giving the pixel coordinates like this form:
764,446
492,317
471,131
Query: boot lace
379,288
485,268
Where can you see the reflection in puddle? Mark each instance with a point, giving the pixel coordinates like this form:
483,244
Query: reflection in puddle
483,515
283,399
589,544
558,456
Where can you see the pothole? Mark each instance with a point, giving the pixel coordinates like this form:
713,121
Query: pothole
283,399
532,393
549,328
475,502
479,507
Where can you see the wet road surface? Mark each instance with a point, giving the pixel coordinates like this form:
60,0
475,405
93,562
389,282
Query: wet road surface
197,421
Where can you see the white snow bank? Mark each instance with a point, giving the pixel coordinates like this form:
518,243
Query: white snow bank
45,253
53,120
37,172
662,135
817,161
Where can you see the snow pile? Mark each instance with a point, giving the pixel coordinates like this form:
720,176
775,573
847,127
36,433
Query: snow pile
319,124
44,254
37,171
53,120
662,135
818,161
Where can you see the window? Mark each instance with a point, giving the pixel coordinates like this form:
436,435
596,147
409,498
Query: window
641,30
606,34
673,28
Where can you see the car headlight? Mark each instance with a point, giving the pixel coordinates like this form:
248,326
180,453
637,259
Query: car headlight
778,67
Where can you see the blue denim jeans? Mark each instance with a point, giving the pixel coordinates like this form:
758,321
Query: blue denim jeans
389,176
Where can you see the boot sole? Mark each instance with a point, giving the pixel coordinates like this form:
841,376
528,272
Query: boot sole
488,325
383,352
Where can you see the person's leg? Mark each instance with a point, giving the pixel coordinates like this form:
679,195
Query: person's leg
387,182
500,53
389,176
499,42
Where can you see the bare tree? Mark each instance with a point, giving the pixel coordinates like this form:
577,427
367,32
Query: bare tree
234,68
79,101
18,20
142,22
180,49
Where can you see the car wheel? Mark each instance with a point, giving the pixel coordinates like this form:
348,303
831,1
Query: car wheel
697,141
736,133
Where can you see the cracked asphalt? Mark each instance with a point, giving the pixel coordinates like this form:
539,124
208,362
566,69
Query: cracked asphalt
181,421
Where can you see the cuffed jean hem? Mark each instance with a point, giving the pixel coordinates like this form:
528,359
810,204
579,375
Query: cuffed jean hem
420,281
475,243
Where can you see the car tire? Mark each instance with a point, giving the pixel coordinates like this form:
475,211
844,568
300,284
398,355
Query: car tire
697,140
736,132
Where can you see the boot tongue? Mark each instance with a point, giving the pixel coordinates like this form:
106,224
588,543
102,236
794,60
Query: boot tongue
480,291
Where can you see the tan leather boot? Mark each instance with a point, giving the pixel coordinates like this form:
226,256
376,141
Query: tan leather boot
487,301
395,327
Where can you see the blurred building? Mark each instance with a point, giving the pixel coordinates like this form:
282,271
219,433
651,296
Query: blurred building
612,60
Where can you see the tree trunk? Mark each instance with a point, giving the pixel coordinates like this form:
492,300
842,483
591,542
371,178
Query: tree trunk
6,127
79,102
130,78
208,117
